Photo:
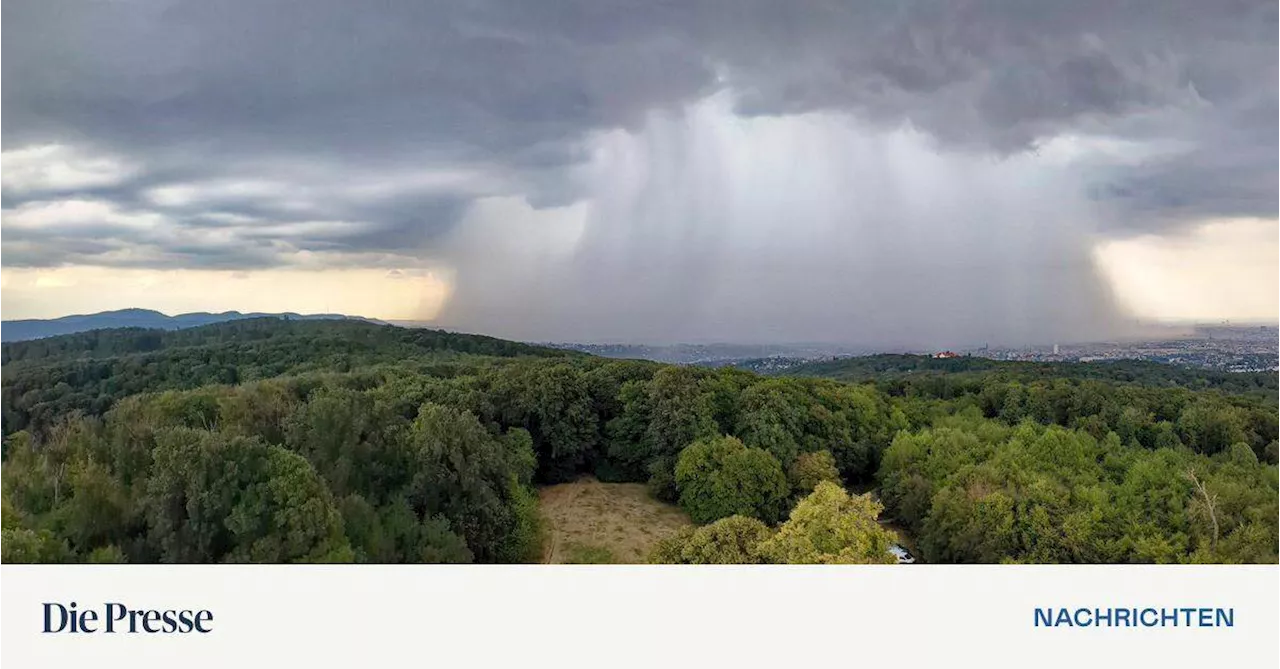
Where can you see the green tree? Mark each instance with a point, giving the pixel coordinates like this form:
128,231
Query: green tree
1242,455
466,475
810,469
721,477
524,541
27,546
1271,453
106,555
98,509
421,538
10,516
1210,427
438,544
773,417
831,527
352,441
732,540
369,541
215,499
682,410
628,447
518,445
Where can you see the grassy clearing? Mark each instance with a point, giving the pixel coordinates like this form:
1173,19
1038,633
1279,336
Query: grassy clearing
589,522
580,554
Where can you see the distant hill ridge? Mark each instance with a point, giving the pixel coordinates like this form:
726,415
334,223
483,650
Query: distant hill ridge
37,328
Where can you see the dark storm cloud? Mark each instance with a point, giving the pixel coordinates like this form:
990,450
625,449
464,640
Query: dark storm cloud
243,126
393,81
198,91
338,78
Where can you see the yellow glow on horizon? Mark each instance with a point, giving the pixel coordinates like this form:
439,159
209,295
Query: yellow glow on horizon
1221,270
373,293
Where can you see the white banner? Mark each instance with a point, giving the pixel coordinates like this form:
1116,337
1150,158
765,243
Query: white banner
638,616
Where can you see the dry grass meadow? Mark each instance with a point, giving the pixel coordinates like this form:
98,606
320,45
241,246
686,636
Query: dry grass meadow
593,522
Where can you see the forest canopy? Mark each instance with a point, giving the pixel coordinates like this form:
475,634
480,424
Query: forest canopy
307,441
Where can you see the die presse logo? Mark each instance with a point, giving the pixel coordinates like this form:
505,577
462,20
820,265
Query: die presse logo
116,618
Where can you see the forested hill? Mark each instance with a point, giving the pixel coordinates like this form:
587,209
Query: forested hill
281,441
89,371
296,339
900,372
37,328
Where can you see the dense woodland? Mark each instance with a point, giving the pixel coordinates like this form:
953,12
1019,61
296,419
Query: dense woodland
948,376
280,441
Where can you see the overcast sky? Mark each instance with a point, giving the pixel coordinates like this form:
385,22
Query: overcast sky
885,173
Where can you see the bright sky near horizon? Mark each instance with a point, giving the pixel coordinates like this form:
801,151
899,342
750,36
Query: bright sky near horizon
1221,270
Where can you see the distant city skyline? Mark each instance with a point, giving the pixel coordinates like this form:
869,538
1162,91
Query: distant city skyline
1143,333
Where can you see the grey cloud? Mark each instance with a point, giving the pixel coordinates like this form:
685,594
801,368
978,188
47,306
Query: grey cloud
796,229
340,78
312,94
326,77
215,83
